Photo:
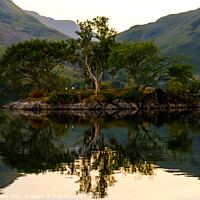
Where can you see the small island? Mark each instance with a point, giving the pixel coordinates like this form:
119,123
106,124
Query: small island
34,71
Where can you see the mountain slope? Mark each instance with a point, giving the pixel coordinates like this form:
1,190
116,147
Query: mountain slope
67,27
178,33
17,26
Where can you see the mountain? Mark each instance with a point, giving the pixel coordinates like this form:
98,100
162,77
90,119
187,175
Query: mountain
177,33
67,27
16,26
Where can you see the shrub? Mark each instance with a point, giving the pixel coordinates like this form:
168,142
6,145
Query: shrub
134,94
36,94
26,95
106,86
53,98
96,98
178,91
60,83
63,98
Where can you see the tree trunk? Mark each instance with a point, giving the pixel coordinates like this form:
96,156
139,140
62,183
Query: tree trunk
97,89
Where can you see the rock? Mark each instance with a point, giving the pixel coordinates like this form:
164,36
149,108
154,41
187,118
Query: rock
110,107
36,106
133,106
98,106
10,105
110,112
124,105
124,113
94,106
116,101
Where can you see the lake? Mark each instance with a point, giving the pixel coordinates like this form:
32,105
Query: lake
62,155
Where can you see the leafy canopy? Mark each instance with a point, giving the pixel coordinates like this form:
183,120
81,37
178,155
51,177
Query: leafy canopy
92,49
31,63
141,60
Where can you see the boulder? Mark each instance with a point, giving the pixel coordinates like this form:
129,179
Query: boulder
110,107
124,105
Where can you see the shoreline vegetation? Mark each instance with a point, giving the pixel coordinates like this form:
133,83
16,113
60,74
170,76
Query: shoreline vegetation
34,71
108,100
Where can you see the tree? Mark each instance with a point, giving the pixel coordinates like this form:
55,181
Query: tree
142,62
93,47
182,84
180,71
33,63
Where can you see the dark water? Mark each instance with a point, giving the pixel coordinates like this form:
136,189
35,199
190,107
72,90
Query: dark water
141,156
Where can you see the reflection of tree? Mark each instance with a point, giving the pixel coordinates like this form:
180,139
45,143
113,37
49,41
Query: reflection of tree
31,149
34,145
97,165
179,141
100,160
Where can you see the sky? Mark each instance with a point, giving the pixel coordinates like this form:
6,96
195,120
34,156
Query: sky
122,13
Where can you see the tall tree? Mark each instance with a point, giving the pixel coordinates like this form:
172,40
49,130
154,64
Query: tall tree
32,63
93,47
141,61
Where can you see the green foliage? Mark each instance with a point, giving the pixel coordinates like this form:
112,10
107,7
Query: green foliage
60,83
141,61
30,64
194,87
182,72
178,90
107,85
182,86
134,94
92,49
63,97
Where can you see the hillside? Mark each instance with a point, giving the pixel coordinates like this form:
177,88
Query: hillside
178,33
17,26
67,27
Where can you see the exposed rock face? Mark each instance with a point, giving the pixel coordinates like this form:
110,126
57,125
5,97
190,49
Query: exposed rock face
98,106
40,105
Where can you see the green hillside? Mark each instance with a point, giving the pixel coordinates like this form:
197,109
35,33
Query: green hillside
178,33
17,26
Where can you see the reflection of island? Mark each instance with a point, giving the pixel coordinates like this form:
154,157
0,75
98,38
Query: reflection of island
95,148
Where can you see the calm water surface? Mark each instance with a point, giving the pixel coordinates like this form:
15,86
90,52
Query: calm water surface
57,155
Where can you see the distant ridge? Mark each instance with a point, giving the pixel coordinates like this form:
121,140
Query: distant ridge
67,27
177,33
17,26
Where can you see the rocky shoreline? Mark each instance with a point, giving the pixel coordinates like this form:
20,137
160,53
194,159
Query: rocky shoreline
115,105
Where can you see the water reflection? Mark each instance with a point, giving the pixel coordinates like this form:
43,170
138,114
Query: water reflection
95,149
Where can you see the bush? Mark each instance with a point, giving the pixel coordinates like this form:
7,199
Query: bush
26,95
96,98
60,83
63,98
134,94
178,91
106,86
53,98
36,94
